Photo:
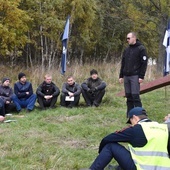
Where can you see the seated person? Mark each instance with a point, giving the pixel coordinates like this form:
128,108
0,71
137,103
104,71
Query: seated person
24,96
93,89
6,92
148,143
72,90
47,93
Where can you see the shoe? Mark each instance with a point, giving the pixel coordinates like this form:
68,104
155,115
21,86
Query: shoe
70,106
18,111
95,104
113,167
28,111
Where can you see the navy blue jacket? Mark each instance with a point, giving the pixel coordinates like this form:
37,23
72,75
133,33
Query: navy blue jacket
21,89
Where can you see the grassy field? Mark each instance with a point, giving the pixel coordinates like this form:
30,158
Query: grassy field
68,139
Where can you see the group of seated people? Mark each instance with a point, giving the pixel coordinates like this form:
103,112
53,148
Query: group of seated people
92,89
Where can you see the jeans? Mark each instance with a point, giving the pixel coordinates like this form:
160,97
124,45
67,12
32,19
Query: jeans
26,103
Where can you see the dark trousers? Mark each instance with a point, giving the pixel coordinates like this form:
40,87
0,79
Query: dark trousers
46,103
132,92
116,151
6,108
69,103
93,98
2,107
26,103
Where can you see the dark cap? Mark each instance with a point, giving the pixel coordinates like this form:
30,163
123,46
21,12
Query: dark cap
93,72
4,79
137,111
20,75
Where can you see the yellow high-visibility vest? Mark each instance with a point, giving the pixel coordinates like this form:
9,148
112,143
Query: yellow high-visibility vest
154,155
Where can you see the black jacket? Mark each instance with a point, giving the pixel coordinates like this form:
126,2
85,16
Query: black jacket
134,61
47,89
92,84
6,93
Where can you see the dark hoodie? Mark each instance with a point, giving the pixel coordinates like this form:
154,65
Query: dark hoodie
134,61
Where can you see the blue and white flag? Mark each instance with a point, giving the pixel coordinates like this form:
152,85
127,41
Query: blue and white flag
166,43
64,46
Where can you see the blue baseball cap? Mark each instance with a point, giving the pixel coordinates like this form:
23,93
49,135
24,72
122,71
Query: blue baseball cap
136,111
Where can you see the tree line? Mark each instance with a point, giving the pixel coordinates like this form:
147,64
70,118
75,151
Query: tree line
31,30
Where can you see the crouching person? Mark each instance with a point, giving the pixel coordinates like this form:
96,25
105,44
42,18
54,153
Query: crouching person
70,95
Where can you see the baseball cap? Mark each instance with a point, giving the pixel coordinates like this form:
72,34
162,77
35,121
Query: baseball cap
136,111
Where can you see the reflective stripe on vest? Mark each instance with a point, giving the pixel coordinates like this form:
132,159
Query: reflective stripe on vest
154,155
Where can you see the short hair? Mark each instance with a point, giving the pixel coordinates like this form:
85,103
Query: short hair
142,116
70,77
47,75
93,72
134,34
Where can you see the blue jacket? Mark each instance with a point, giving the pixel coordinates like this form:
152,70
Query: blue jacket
21,89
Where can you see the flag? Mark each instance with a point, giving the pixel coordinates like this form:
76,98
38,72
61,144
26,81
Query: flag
64,46
166,43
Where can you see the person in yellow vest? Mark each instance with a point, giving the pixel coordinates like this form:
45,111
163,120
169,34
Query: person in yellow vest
148,142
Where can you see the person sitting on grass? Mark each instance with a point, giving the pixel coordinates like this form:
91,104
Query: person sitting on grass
24,96
70,95
149,145
47,93
93,89
6,92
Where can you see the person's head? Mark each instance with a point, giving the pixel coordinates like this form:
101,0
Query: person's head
70,80
136,114
48,78
5,81
22,77
94,74
131,38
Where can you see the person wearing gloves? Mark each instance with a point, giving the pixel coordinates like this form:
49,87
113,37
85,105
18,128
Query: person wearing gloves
93,89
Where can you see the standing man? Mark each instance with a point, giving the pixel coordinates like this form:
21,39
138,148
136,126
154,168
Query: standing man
133,68
24,96
47,93
6,92
70,95
148,145
93,89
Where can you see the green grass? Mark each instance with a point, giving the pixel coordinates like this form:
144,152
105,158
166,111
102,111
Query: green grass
68,139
